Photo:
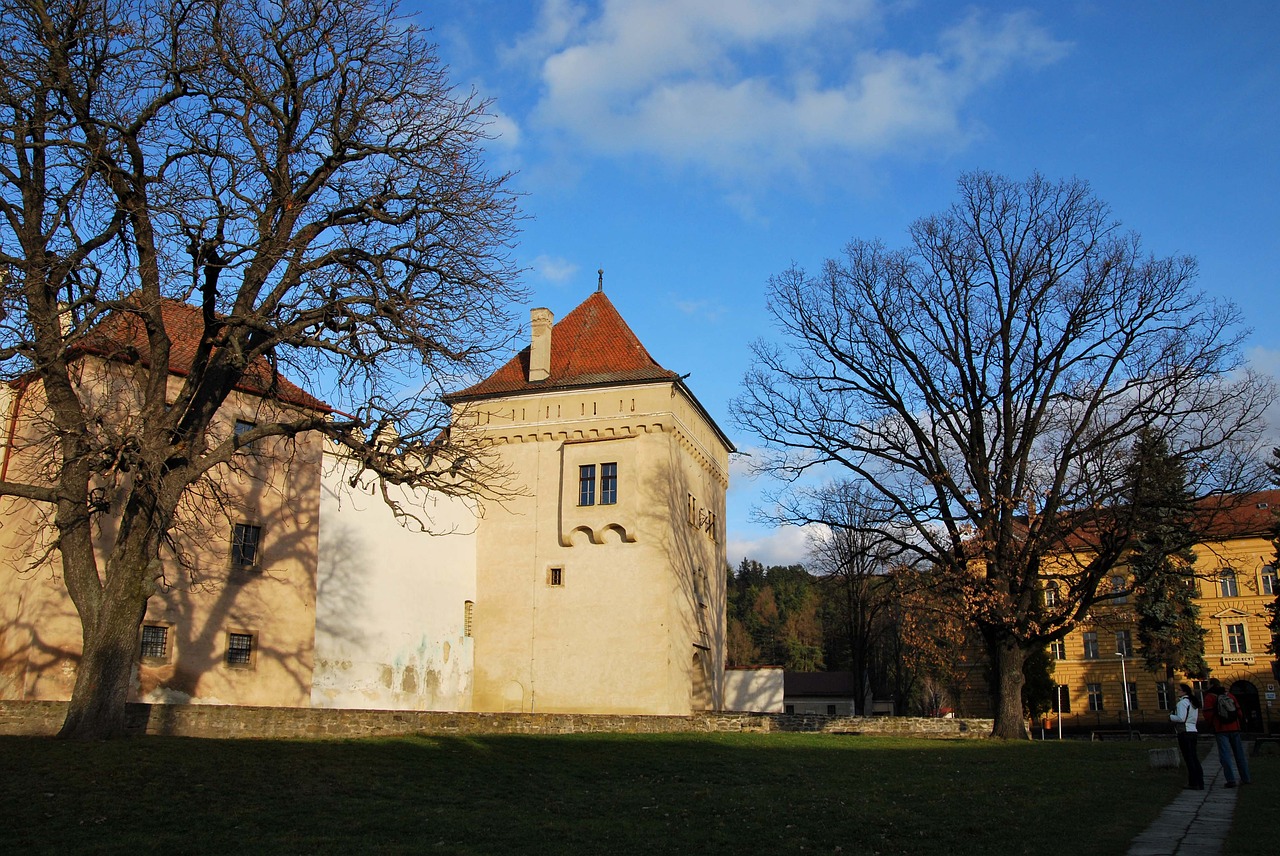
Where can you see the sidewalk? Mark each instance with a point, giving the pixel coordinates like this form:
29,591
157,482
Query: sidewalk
1196,822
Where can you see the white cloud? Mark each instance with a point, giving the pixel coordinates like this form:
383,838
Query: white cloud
554,269
759,85
786,545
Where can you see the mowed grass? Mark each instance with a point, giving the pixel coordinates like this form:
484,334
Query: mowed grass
581,794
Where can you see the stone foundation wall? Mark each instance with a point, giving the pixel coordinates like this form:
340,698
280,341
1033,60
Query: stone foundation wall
227,721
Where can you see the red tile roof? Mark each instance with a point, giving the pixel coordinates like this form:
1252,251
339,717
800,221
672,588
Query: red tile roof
122,336
590,346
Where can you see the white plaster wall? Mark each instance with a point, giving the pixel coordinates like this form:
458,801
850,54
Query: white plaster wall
753,690
390,600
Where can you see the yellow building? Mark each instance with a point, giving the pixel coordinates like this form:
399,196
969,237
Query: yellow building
1236,579
232,620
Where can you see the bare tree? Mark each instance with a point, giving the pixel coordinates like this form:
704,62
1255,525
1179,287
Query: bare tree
988,381
852,551
303,175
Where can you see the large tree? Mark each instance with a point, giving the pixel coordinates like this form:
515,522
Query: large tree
988,380
304,175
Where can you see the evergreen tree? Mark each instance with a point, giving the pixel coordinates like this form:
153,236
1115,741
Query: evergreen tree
1163,566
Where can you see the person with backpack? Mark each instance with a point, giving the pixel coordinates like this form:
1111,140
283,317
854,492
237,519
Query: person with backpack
1184,719
1222,714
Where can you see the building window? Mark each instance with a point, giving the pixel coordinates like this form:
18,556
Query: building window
243,426
1058,649
1117,584
468,611
608,484
831,710
1051,594
1131,690
1124,643
155,642
791,708
1236,643
587,484
244,545
1090,644
1269,580
1095,696
1062,699
239,649
555,576
1163,696
1227,584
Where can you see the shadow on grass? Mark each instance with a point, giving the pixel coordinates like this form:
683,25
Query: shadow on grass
577,794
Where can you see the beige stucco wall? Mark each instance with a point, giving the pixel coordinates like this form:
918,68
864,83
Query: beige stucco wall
643,589
754,690
390,619
198,599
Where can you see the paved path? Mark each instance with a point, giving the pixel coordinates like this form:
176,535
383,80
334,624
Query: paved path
1196,822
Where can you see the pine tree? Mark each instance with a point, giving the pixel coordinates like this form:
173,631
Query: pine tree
1163,566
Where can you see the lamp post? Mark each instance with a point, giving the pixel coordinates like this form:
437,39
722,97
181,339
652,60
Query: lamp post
1124,689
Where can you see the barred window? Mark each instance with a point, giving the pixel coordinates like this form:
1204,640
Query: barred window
555,576
239,649
155,642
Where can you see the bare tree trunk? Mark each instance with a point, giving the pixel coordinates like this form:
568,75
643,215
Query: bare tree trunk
1009,723
97,708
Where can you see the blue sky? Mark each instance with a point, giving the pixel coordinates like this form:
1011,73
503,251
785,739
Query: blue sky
693,148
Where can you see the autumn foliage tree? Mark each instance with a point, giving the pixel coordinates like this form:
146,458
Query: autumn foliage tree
302,174
988,380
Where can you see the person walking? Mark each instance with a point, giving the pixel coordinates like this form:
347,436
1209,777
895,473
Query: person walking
1184,719
1221,715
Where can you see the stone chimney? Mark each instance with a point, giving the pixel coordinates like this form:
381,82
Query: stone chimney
540,348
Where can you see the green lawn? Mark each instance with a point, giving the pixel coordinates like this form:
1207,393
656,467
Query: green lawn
588,794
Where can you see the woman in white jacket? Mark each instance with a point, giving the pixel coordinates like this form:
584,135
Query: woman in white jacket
1184,718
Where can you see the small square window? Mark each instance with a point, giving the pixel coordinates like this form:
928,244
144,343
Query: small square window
239,649
555,576
831,710
245,540
155,642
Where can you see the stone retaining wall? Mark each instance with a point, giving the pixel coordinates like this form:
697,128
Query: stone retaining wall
227,721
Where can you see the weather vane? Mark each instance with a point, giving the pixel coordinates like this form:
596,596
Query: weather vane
600,280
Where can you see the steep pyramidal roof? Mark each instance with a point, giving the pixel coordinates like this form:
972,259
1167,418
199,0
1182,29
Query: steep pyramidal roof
590,346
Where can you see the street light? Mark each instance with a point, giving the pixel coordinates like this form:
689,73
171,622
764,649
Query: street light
1124,690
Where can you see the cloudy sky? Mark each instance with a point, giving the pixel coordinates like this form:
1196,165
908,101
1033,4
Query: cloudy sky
693,148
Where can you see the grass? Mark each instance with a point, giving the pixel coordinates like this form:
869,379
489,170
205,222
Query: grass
1255,829
589,794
